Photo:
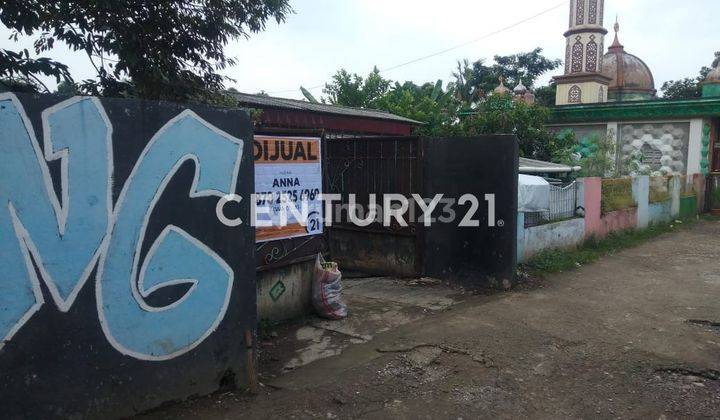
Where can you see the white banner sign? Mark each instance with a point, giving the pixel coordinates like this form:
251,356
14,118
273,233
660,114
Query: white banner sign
288,172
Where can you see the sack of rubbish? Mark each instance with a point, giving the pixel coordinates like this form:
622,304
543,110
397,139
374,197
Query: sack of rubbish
327,290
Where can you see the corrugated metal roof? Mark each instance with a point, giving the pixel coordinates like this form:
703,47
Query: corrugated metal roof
261,101
539,166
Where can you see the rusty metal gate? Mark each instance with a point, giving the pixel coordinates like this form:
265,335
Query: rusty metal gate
365,166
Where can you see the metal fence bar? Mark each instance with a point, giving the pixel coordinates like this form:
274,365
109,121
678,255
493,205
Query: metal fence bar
563,205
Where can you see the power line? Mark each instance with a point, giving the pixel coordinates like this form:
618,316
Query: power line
447,50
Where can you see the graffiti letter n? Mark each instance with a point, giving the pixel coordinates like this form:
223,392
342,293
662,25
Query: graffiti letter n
62,236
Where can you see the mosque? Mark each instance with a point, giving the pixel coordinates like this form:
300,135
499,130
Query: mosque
613,93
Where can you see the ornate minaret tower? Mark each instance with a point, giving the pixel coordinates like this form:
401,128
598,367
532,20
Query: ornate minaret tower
583,82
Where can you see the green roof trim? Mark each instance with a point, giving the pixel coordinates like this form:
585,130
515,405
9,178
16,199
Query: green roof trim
637,110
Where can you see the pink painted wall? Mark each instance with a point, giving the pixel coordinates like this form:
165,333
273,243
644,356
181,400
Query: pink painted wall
617,221
597,224
593,190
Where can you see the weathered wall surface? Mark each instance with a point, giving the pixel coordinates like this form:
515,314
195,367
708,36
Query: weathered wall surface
660,213
285,292
483,255
617,221
120,288
565,234
571,233
383,254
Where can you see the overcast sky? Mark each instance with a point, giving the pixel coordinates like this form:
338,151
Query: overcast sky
674,38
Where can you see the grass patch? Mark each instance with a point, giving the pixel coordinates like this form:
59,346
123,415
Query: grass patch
554,261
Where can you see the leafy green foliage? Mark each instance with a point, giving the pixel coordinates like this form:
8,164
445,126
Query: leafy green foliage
596,152
562,147
688,88
19,72
682,89
168,49
355,91
475,82
309,96
464,107
500,114
67,88
545,95
429,104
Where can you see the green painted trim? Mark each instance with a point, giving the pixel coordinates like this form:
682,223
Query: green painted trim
688,207
710,90
705,150
636,110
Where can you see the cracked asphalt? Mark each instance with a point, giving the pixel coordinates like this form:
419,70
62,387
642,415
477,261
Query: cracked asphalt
635,335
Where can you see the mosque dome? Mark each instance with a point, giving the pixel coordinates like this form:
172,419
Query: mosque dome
631,77
711,85
501,90
520,89
714,75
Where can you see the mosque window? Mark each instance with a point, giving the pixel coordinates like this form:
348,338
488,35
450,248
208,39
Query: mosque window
575,95
592,12
577,56
580,12
601,94
591,56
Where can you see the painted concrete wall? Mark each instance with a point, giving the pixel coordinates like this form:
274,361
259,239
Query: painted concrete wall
688,207
120,289
561,235
659,213
285,293
617,221
641,195
695,147
571,233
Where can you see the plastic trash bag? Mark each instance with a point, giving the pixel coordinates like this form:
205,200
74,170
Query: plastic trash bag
327,290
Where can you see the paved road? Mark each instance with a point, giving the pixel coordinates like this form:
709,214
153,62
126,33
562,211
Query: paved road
632,336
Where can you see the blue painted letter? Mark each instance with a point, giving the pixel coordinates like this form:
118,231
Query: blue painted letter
64,236
133,327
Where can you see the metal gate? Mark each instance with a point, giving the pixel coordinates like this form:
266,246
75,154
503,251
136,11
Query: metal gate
373,165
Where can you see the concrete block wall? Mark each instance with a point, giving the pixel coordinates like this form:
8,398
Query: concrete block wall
572,233
120,288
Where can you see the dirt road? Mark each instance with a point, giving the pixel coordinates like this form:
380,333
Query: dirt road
635,335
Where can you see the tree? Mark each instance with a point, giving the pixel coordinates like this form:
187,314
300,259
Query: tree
596,156
67,88
546,95
171,49
428,103
19,72
475,82
464,87
688,88
353,90
682,89
526,67
500,114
